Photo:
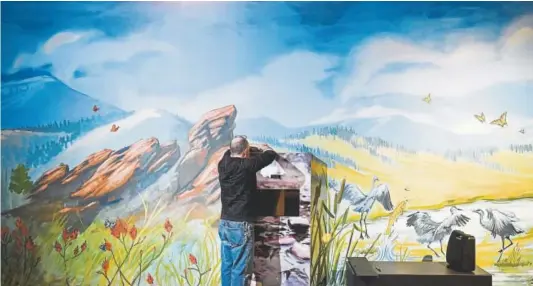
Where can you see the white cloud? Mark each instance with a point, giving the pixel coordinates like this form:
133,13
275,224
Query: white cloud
285,89
90,54
463,66
189,49
60,39
195,48
469,66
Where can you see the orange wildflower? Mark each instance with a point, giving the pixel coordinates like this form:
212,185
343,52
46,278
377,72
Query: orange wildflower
193,259
150,279
107,245
115,232
120,228
168,225
133,232
105,266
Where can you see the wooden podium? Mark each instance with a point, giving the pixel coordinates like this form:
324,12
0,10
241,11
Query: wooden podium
361,272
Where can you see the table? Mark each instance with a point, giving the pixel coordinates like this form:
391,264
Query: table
361,272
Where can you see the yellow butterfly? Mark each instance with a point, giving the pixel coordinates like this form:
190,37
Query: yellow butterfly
427,99
480,117
502,121
522,131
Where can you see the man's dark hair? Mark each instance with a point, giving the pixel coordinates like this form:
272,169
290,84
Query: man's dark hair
238,145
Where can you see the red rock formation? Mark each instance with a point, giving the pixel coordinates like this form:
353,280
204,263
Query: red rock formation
213,131
112,175
121,166
61,186
167,156
92,160
206,183
215,126
50,177
105,172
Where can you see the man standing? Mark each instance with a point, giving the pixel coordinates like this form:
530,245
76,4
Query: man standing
237,175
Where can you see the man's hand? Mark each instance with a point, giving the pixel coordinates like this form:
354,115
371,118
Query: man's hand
265,147
259,147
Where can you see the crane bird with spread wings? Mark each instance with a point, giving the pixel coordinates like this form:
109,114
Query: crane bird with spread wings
429,231
362,203
499,223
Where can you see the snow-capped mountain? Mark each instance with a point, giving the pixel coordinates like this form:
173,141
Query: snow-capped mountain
396,130
39,98
141,124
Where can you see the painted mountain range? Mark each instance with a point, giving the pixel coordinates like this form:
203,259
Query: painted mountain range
95,185
396,129
47,99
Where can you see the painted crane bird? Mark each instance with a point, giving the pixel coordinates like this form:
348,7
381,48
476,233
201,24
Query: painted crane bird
499,223
362,203
429,231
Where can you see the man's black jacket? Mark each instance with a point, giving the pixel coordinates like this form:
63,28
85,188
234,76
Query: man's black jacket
238,183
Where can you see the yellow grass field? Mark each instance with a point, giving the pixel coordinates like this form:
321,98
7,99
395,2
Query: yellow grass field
433,182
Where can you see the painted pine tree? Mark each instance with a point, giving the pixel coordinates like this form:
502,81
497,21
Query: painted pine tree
20,181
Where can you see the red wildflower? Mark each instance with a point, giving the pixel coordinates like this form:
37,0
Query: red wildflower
58,247
150,279
168,225
107,245
5,234
115,232
120,228
105,266
21,227
29,243
83,246
133,232
74,234
193,259
65,235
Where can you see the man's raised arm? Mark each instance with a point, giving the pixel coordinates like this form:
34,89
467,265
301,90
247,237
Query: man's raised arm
265,158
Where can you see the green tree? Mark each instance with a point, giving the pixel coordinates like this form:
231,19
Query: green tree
20,182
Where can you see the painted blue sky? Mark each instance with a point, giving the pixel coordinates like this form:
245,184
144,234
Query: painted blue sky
296,62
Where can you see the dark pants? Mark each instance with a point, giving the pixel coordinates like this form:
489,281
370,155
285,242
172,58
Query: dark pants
237,252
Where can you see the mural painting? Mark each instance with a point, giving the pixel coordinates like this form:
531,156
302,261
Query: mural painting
418,116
